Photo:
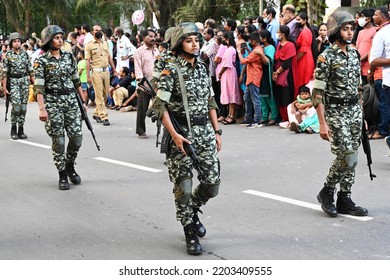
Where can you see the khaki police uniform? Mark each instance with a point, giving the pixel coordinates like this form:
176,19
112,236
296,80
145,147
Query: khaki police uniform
98,54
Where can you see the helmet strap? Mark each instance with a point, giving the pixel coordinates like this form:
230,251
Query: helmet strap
190,55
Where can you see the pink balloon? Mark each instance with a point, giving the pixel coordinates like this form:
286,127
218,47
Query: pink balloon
138,17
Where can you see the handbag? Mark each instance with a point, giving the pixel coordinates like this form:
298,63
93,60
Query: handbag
281,80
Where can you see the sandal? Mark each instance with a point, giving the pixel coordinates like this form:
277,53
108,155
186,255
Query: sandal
377,135
221,119
229,120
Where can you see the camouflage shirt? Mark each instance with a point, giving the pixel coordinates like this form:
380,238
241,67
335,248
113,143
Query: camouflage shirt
197,83
54,73
17,64
338,74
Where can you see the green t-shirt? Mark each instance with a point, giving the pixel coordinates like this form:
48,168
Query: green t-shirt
83,65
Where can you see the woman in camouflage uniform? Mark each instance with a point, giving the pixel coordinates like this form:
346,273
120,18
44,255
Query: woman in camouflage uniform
56,84
338,104
204,133
17,74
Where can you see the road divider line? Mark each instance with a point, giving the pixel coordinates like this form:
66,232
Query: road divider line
31,143
127,164
300,203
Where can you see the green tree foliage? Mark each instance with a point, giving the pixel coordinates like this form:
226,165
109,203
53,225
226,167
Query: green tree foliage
315,9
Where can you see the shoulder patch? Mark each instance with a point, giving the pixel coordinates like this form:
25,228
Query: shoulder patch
166,72
321,59
35,64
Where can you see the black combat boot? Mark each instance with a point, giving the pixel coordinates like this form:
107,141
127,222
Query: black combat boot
199,227
325,197
63,182
345,205
73,176
21,133
14,133
192,240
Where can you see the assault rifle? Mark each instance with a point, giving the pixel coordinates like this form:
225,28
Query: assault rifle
84,117
367,149
188,148
151,91
6,106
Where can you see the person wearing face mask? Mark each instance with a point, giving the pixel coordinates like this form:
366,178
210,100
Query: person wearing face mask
305,59
17,75
98,58
269,14
254,72
56,84
338,105
201,129
364,40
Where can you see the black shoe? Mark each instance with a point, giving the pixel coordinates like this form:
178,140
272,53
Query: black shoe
345,205
192,240
106,122
14,134
97,119
73,176
199,227
63,182
325,197
21,133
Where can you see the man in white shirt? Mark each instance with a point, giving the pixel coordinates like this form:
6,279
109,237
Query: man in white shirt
124,50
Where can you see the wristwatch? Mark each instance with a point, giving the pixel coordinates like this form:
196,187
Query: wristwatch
219,131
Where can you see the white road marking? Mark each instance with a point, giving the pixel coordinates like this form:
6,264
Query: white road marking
300,203
127,164
31,143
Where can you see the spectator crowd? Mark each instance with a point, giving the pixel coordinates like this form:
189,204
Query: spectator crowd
262,68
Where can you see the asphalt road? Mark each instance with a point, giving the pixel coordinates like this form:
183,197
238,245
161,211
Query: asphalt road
266,208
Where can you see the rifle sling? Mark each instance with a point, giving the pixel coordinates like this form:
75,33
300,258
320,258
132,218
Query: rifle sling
184,96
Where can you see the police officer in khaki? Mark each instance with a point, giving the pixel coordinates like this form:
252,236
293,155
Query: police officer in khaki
98,60
338,104
17,73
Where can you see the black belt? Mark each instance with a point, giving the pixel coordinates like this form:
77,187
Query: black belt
18,75
58,91
341,101
195,120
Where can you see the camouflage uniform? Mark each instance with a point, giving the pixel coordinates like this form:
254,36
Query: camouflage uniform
200,101
18,70
338,76
56,79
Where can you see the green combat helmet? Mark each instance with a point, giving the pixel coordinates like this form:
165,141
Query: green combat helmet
181,32
14,36
168,34
48,33
337,19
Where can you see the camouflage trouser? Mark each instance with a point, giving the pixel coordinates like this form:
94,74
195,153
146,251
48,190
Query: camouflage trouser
19,98
64,115
180,173
345,122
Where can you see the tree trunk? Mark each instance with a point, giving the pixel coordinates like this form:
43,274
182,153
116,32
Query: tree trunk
14,20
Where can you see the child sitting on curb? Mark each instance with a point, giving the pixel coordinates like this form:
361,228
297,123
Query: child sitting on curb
303,116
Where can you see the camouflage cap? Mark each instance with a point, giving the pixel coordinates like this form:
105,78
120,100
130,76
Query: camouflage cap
14,36
183,31
337,19
49,32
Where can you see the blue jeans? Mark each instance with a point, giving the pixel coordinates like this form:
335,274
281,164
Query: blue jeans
252,103
383,94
